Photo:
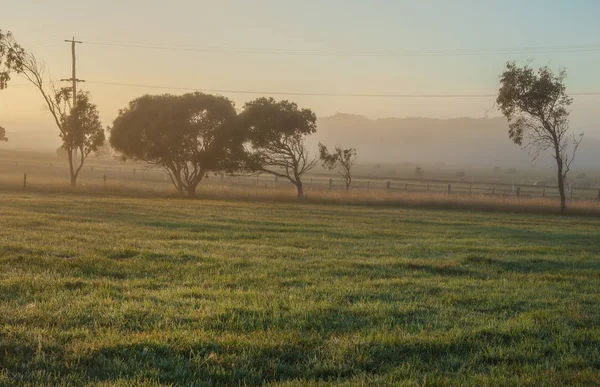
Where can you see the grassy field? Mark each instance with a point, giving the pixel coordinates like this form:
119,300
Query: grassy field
159,291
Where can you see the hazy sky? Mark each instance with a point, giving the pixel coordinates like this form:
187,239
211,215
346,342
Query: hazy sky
324,26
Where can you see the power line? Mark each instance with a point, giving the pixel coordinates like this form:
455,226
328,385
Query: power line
262,92
374,53
305,94
290,93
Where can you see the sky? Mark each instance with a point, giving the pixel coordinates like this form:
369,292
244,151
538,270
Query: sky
295,41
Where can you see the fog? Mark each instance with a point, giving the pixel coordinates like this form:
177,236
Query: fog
459,141
482,141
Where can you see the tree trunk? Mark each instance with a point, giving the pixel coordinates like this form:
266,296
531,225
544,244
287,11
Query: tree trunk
300,190
71,168
561,190
191,190
561,183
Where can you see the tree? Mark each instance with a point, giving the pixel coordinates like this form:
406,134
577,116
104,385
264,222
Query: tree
188,136
342,159
537,108
83,133
419,172
3,137
79,126
276,132
10,57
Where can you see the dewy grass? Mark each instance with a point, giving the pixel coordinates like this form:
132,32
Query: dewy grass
162,291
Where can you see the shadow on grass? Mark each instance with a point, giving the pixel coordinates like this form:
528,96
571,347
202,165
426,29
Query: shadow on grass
538,237
307,356
403,269
533,265
237,364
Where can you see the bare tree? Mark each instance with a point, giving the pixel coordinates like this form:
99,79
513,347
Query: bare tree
342,159
537,108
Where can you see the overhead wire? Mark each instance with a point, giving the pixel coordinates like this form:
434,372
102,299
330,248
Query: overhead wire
307,94
334,52
372,53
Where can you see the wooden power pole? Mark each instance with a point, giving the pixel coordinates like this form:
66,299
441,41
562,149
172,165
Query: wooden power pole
73,79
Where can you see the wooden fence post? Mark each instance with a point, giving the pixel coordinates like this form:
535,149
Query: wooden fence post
406,188
104,181
330,183
599,195
24,180
427,187
544,193
518,191
388,186
449,189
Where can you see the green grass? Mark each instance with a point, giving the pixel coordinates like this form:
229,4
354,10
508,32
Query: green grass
157,291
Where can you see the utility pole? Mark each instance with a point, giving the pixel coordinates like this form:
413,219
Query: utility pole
73,79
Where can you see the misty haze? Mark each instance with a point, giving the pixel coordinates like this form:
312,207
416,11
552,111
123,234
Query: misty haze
201,193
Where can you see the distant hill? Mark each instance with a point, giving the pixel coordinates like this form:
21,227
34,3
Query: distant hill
479,141
454,141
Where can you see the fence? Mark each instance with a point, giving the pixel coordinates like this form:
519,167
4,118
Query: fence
110,173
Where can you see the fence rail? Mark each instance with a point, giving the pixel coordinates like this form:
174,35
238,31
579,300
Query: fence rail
31,172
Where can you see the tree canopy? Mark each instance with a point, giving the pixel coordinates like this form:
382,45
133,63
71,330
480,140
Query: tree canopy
10,57
82,131
276,132
188,136
3,134
537,108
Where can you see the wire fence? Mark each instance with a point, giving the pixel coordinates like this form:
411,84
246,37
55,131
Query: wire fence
113,173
